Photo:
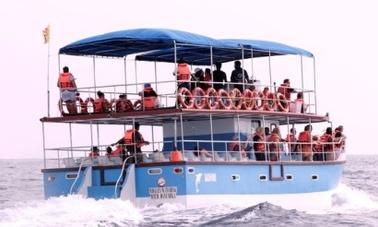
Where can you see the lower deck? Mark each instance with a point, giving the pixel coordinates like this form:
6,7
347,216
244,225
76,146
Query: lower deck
176,182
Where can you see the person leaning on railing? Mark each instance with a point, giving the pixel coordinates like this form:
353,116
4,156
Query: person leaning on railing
274,145
304,139
327,143
259,144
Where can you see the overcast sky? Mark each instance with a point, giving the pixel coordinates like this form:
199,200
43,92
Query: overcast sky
341,34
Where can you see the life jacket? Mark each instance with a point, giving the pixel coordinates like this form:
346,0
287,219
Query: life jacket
233,146
149,100
283,89
259,147
98,107
128,138
183,71
305,137
273,140
327,142
117,152
176,156
65,81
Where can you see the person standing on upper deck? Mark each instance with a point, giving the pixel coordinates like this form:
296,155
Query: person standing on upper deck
183,74
285,89
67,86
219,77
237,76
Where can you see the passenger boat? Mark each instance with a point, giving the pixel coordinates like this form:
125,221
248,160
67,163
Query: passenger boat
188,120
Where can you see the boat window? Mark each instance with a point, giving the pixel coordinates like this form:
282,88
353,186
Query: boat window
191,170
235,177
178,170
289,177
70,176
315,177
154,171
263,177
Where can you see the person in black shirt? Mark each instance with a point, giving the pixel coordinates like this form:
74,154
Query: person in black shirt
238,77
219,76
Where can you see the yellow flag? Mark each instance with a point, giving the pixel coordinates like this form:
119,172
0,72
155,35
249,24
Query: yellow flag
46,34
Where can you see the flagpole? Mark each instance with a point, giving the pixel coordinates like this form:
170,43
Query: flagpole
48,79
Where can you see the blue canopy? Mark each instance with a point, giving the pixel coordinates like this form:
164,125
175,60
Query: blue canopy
122,43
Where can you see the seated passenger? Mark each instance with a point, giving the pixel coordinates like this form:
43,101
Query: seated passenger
259,144
292,140
327,145
298,106
176,155
318,154
109,152
158,156
208,78
236,149
304,139
149,97
123,104
202,153
94,152
198,79
101,105
274,145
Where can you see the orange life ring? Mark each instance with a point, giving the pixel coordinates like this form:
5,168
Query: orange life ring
249,102
185,98
199,98
123,105
225,101
282,103
138,105
212,99
237,98
271,102
88,101
259,101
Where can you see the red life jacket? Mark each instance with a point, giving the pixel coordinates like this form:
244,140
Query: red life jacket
327,142
149,99
128,138
260,147
65,81
183,71
305,137
98,107
176,156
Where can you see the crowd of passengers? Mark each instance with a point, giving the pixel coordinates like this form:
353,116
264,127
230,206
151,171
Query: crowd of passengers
203,79
263,144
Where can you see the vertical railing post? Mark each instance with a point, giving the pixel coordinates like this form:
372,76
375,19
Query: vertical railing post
182,135
44,145
212,135
94,76
315,100
70,128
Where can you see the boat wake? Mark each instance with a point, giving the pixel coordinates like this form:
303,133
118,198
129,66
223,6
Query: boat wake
71,211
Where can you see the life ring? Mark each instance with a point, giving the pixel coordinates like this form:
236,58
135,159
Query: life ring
212,99
88,105
79,104
123,105
249,99
138,105
185,98
225,101
60,106
237,98
259,101
271,102
199,98
282,103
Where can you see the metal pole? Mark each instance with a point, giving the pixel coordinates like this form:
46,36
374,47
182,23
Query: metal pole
182,135
44,145
70,140
239,135
311,139
302,79
136,76
94,76
156,87
98,134
211,66
243,68
265,146
176,65
90,124
270,71
48,79
133,140
316,104
153,138
212,135
175,132
252,69
288,132
125,72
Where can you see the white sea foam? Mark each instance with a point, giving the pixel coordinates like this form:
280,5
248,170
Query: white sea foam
347,199
70,211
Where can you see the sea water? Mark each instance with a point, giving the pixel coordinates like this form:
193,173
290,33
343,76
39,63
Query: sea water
355,203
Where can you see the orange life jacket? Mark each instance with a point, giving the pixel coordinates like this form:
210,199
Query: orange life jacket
128,138
176,156
98,107
326,140
183,71
305,137
283,89
260,147
117,151
273,139
65,81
